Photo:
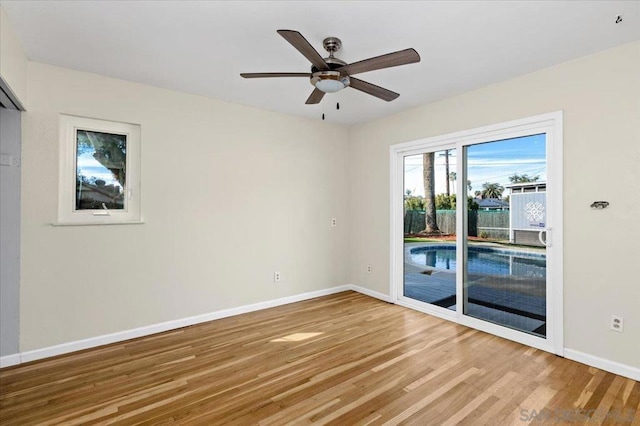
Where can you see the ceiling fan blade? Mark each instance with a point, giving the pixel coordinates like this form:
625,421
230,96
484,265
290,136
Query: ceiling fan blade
402,57
299,42
315,97
372,89
274,74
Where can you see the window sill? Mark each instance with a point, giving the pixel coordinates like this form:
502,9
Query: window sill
124,222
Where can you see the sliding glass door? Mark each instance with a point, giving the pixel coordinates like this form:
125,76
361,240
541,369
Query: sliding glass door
505,260
471,229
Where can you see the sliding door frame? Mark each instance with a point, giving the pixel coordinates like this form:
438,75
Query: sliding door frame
551,125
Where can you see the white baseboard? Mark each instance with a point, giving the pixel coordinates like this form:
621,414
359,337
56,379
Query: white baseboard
19,358
369,292
120,336
593,361
603,364
9,360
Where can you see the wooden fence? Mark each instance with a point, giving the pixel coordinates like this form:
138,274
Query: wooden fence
493,224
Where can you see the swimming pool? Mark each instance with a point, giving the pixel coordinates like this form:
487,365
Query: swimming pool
482,260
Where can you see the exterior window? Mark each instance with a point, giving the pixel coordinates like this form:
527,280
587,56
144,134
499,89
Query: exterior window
99,172
101,167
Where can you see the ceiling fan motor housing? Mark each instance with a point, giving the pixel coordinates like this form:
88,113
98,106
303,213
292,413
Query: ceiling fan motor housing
331,45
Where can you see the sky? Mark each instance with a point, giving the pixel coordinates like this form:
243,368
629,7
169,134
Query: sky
90,167
490,162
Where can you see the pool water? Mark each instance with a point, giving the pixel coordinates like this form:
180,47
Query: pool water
483,260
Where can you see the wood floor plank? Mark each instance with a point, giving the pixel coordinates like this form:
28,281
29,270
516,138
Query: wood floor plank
344,359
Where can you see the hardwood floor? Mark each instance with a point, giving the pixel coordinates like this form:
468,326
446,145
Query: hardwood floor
342,359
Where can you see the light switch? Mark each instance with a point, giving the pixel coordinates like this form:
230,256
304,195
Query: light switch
6,160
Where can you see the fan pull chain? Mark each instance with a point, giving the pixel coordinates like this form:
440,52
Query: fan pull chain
338,105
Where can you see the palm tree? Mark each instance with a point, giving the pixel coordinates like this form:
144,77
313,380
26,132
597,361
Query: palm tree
430,223
491,190
453,177
446,170
516,178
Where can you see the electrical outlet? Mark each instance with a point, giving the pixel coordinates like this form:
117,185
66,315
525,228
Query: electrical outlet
334,222
277,277
369,268
617,323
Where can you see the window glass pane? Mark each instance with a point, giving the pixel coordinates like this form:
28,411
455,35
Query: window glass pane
100,170
506,264
430,183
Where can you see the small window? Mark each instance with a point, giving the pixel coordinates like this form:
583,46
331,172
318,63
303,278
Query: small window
99,172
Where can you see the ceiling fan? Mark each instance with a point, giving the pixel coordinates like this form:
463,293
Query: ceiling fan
329,75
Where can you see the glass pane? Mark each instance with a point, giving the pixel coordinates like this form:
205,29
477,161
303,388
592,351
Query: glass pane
505,268
100,170
430,228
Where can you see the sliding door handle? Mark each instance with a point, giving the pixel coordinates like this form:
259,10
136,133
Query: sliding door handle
547,242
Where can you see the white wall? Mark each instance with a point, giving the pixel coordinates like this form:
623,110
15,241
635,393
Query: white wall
600,97
230,194
13,61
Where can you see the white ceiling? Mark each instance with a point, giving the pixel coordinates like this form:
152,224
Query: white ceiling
201,47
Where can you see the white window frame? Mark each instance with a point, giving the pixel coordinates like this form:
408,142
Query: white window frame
67,214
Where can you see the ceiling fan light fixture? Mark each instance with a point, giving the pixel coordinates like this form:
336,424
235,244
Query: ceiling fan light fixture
329,81
330,86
